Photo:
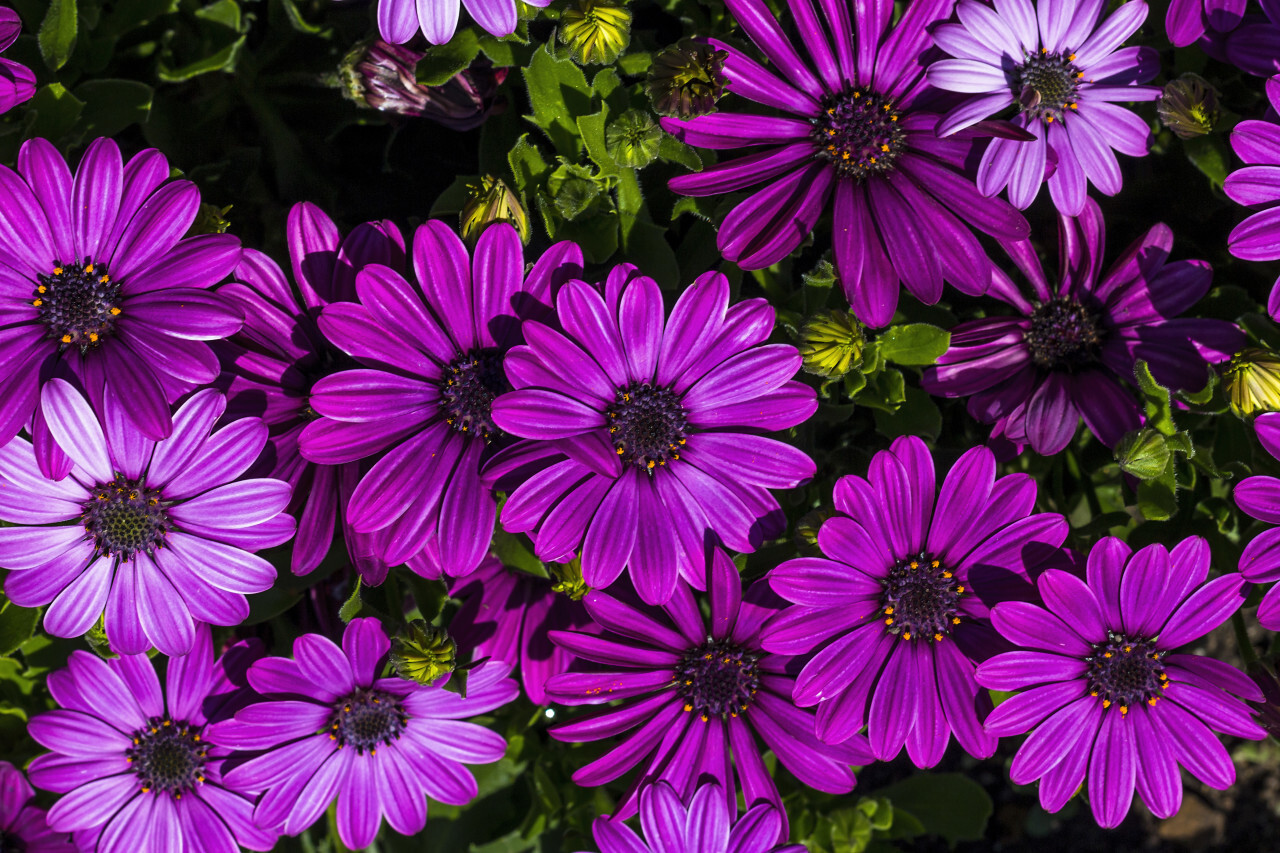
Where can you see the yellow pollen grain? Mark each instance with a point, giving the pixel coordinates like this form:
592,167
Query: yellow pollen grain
66,339
688,707
93,337
38,302
705,718
937,638
1124,709
955,620
104,279
57,270
1106,703
1153,700
1072,58
115,312
906,635
41,289
889,621
888,611
89,268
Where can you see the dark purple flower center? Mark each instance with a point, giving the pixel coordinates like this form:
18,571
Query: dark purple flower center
921,599
167,756
124,517
11,843
717,678
366,718
1064,335
1124,671
860,133
470,383
79,303
647,425
1047,85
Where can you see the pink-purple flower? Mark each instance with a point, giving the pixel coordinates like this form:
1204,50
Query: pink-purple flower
1105,693
1259,497
1064,68
400,20
152,536
1257,185
23,826
17,83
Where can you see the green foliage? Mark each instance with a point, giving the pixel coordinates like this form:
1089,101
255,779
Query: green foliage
58,33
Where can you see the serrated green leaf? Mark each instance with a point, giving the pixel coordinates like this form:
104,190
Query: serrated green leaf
672,150
558,93
1159,409
915,344
350,608
17,624
57,36
591,128
443,61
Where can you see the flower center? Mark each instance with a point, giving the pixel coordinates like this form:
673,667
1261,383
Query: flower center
921,599
1047,85
859,132
124,517
167,756
1064,335
470,384
78,302
1125,671
366,718
718,677
647,425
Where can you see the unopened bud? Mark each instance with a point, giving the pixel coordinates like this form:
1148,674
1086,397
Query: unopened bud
831,343
1189,106
492,201
687,80
1144,453
423,653
596,31
633,139
1252,381
568,578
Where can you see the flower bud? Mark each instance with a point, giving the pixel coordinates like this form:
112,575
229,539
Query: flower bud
633,139
492,201
423,653
1143,453
831,344
687,79
596,31
383,77
1189,106
568,578
210,219
1252,381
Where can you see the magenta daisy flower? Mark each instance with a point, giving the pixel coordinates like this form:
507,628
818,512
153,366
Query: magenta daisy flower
133,764
281,353
23,827
400,20
329,726
1259,497
1064,67
649,431
698,697
1257,185
1188,20
101,288
1104,692
506,614
703,822
158,534
857,134
17,83
1071,353
432,360
898,607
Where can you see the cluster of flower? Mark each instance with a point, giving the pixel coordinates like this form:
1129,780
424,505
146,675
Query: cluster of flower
170,404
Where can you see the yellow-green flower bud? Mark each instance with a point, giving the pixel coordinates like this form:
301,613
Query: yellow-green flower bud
831,344
568,578
492,201
596,31
423,653
1252,381
806,535
1144,453
633,139
210,219
1189,106
687,80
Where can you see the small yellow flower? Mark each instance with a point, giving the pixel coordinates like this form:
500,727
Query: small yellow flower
1252,381
423,653
831,344
596,31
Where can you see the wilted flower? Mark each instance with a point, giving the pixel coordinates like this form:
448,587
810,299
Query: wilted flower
382,76
596,31
1252,381
831,343
492,201
423,653
687,80
633,139
1189,106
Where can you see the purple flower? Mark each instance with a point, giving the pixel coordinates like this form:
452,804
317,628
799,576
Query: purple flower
134,766
1259,497
898,608
22,825
1249,41
705,825
1257,143
862,129
506,614
649,430
159,534
1064,68
1072,351
281,353
1187,20
17,83
329,726
103,290
382,76
1108,696
400,20
698,697
432,357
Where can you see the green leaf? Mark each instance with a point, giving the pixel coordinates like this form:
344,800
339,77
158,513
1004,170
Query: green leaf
53,112
113,105
673,150
1158,498
591,127
529,168
947,804
558,93
645,244
222,60
351,607
516,552
916,344
1159,409
17,624
918,415
1209,155
443,61
299,23
57,37
885,390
